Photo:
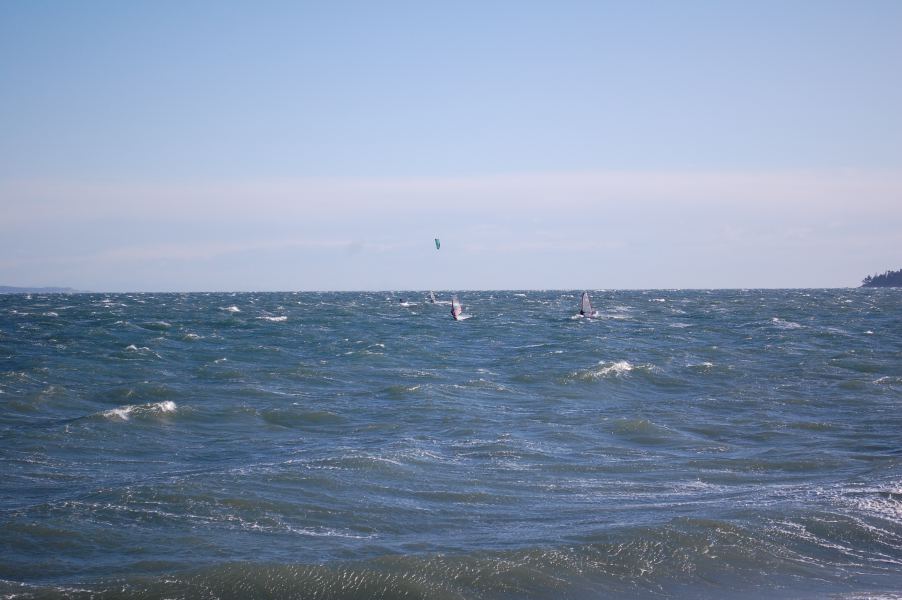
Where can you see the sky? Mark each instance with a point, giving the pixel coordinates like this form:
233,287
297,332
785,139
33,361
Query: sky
229,146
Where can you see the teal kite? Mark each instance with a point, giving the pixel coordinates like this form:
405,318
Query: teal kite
438,244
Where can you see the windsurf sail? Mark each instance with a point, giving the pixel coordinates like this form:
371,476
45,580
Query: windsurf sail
585,306
432,297
456,308
438,244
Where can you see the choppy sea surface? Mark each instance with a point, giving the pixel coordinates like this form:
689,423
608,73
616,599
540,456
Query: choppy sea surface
683,444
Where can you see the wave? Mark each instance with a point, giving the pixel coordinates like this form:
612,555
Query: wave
141,350
300,418
620,368
685,558
278,319
781,324
124,413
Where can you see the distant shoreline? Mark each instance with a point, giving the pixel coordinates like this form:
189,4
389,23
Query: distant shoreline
888,279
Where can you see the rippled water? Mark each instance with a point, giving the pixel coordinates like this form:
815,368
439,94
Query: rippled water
338,445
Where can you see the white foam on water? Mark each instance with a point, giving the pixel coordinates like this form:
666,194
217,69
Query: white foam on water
278,319
231,309
326,532
51,314
702,365
123,413
192,336
785,324
141,350
119,413
615,369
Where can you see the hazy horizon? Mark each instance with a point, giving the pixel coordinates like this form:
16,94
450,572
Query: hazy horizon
73,290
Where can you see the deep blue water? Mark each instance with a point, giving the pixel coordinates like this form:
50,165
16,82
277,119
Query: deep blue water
690,444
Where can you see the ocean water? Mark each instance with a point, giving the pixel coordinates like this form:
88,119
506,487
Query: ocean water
684,444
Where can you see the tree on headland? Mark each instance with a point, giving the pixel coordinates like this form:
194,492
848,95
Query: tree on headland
887,279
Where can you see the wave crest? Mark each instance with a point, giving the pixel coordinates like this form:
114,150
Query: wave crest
124,413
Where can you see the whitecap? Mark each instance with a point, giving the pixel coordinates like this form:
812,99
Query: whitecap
166,406
784,324
231,309
621,367
606,369
51,314
123,413
278,319
141,350
325,532
119,413
702,365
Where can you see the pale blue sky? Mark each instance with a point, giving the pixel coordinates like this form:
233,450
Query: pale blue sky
289,145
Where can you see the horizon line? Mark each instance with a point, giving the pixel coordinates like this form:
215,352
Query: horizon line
61,291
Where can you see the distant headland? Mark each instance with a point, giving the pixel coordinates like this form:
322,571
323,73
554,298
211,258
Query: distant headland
887,279
7,289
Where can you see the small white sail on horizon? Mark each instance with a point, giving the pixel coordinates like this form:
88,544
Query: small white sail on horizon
456,307
585,306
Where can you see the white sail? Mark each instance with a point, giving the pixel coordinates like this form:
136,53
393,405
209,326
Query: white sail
585,306
456,307
432,297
